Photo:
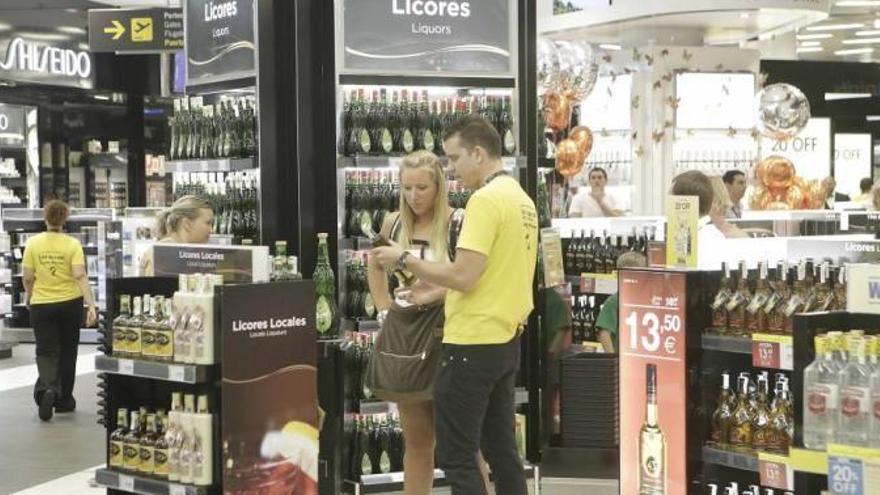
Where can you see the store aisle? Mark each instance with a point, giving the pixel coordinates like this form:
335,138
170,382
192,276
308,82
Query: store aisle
33,452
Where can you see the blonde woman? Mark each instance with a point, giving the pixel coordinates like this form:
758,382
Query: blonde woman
190,220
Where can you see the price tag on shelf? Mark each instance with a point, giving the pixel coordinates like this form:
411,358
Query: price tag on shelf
176,373
772,351
126,483
176,490
397,477
845,476
126,366
775,472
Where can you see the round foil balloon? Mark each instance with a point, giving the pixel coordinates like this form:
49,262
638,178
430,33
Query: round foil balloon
783,111
795,198
583,136
548,66
578,67
568,158
557,111
757,197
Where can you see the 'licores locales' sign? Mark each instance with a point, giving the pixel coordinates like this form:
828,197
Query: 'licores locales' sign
219,40
428,36
653,453
29,60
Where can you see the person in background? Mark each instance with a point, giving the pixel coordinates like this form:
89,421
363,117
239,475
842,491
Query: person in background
594,202
490,295
607,321
864,196
832,197
735,183
190,220
56,287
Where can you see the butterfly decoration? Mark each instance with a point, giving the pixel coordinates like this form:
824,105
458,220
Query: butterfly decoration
719,67
658,135
640,151
673,102
755,133
664,52
725,89
636,101
635,135
731,132
607,58
667,77
628,71
687,55
650,60
657,84
762,79
637,55
667,124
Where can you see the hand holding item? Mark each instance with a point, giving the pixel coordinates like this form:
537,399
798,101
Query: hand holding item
598,195
387,256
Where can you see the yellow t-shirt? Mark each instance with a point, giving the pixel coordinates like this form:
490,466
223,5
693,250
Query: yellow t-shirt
500,222
52,255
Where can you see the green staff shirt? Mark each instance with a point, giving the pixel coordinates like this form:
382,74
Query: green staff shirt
608,319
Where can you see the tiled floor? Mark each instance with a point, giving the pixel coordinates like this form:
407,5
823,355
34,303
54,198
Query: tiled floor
59,457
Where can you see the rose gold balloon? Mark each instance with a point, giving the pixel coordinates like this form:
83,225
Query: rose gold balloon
816,194
795,198
557,111
779,173
583,136
569,160
757,195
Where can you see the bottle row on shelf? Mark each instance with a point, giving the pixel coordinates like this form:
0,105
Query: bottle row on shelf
762,302
401,126
225,129
733,489
377,192
357,351
234,196
176,447
357,299
842,391
374,445
599,253
584,313
177,330
747,419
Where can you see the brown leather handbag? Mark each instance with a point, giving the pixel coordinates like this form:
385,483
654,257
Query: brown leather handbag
407,353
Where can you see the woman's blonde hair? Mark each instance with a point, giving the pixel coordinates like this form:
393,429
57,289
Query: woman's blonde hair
168,220
427,161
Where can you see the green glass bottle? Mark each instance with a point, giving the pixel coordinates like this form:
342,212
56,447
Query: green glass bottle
326,310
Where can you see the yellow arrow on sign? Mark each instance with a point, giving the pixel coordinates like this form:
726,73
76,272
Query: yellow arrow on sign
117,30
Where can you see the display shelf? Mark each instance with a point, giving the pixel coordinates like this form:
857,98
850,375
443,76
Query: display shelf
107,160
374,407
432,80
133,483
728,458
726,343
180,373
594,283
368,161
210,165
393,482
808,461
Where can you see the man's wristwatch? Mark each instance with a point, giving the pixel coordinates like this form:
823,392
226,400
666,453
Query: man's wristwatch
401,262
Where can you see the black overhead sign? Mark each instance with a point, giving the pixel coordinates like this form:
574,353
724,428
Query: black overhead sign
219,40
470,37
137,30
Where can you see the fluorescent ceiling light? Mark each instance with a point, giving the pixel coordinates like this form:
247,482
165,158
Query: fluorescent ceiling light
857,3
5,27
854,51
807,49
72,30
45,36
819,36
873,32
873,118
836,27
846,96
610,46
810,43
862,41
102,97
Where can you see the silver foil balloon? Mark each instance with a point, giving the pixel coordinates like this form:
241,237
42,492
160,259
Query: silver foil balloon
548,66
783,111
578,67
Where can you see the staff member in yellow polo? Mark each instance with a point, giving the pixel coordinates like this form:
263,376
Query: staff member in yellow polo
490,294
56,285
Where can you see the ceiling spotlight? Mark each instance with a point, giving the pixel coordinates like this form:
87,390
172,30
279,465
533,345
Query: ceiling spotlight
818,36
810,43
836,27
610,46
846,96
854,51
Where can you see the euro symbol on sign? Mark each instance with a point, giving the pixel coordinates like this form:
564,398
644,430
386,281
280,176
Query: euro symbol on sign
117,30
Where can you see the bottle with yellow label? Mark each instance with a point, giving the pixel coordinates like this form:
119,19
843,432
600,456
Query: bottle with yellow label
148,446
120,327
135,323
116,455
131,445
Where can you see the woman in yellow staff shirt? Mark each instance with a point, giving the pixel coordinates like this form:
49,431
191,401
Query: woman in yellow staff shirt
56,286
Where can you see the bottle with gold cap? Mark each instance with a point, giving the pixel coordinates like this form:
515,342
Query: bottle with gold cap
820,395
855,396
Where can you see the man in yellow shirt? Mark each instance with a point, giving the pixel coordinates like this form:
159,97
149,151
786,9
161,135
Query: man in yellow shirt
490,294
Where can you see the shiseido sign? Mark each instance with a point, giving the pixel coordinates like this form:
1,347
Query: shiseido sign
36,61
219,40
428,36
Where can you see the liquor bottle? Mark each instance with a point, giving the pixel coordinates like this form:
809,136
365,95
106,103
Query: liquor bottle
117,439
736,305
722,415
652,442
820,396
135,324
810,292
425,137
571,256
202,331
505,128
824,293
837,344
599,259
798,298
778,301
120,327
840,289
383,140
761,416
187,445
173,130
148,446
405,139
756,316
719,304
174,436
150,332
781,431
741,421
855,397
164,330
202,440
326,310
131,444
160,449
183,307
582,263
364,462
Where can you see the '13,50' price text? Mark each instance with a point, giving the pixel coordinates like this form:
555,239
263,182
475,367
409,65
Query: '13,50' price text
651,334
